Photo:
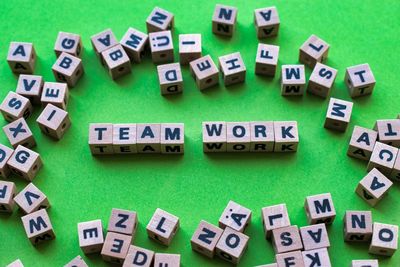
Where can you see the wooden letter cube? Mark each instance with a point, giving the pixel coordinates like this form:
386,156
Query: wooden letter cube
205,238
290,259
38,227
170,78
70,43
138,257
364,263
124,138
25,163
172,138
116,61
56,94
316,258
268,265
320,209
148,138
90,236
357,226
205,72
313,50
293,80
161,47
115,247
314,236
134,43
359,80
15,106
238,137
101,138
338,114
167,260
274,217
262,137
394,175
384,239
267,60
232,245
286,239
18,133
123,222
30,86
286,136
159,20
31,199
76,262
102,41
235,216
21,57
266,21
16,263
68,69
321,80
214,136
54,121
388,132
189,48
5,154
383,158
7,194
362,143
162,227
232,68
373,187
224,20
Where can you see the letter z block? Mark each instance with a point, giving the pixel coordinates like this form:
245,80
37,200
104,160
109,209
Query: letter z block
170,78
90,236
25,163
385,239
21,58
373,187
205,238
163,227
38,227
338,114
320,209
68,69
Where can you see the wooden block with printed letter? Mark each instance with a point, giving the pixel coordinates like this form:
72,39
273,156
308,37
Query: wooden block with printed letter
167,260
232,245
189,48
25,163
161,47
362,143
101,138
238,137
123,222
70,43
115,247
76,262
170,78
274,217
224,20
7,194
373,187
383,158
321,80
68,69
262,137
124,138
314,236
313,50
5,154
21,57
286,239
286,136
148,137
360,80
19,133
56,94
385,238
30,86
358,226
38,227
267,60
205,72
214,136
134,42
320,209
388,132
159,20
163,227
138,256
266,21
293,80
116,61
205,238
102,41
338,114
31,199
54,121
235,216
90,236
172,138
15,106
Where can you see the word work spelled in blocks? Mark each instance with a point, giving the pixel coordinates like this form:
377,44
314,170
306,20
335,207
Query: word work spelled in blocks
103,41
25,163
15,106
316,258
30,86
162,227
18,133
383,158
7,194
70,43
362,143
214,137
313,50
68,69
274,217
357,226
123,222
224,20
205,238
293,80
21,57
290,259
321,80
76,262
320,209
360,80
267,22
314,236
134,43
148,138
170,78
286,239
115,247
172,138
90,236
138,256
124,138
205,72
189,48
232,68
373,187
267,59
286,136
56,94
235,216
388,132
338,114
159,20
101,138
167,260
231,245
262,137
38,227
161,47
116,61
364,263
385,239
54,121
238,137
31,199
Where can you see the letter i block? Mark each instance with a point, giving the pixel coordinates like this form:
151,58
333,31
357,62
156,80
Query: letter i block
293,259
388,132
172,138
31,199
68,69
360,80
205,238
21,57
267,60
373,187
25,163
161,47
224,20
238,137
362,143
316,257
384,239
30,86
5,154
15,106
18,133
321,80
124,138
286,239
103,41
148,138
313,50
134,43
76,262
167,260
159,20
38,227
116,247
232,68
383,158
357,226
90,236
293,80
286,136
7,193
101,138
214,136
262,137
266,21
56,94
138,256
170,78
54,121
123,222
189,48
232,245
116,61
162,227
235,216
70,43
314,236
205,72
338,114
364,263
320,209
274,217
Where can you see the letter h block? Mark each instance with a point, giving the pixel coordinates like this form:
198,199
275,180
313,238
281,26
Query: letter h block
232,68
162,227
205,238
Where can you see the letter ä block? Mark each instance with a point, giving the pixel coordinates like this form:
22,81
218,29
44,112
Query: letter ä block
115,247
138,257
162,227
123,222
172,138
68,69
224,20
314,236
360,80
214,137
30,86
373,187
25,163
159,20
313,50
5,155
56,94
383,158
232,245
31,199
357,226
116,61
134,43
38,227
21,57
364,263
286,136
15,106
167,260
101,138
267,22
384,239
274,217
90,236
54,121
235,216
102,41
124,138
205,238
76,262
7,194
338,114
70,43
148,138
232,68
362,143
170,78
19,133
321,80
205,72
320,209
292,259
267,60
286,239
388,132
189,48
161,47
293,80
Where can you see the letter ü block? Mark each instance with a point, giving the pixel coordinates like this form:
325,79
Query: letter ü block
161,47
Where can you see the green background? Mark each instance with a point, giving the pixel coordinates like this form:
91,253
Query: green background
198,186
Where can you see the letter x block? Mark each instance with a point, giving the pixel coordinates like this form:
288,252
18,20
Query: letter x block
385,239
19,133
38,227
205,238
163,227
68,69
373,187
116,61
235,216
90,236
320,209
25,163
338,114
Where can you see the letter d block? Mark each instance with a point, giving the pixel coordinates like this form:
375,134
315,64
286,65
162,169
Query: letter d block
383,158
313,50
54,121
362,143
90,236
21,57
68,69
338,114
232,245
360,80
214,137
116,61
116,247
320,209
170,78
101,138
15,106
25,163
38,227
224,20
7,193
138,256
286,136
172,138
373,187
205,238
5,154
162,227
293,80
69,43
384,239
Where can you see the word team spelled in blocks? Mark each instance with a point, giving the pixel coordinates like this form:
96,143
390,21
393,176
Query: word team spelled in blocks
373,187
224,20
205,72
115,247
19,133
167,260
235,216
15,106
54,121
159,20
388,132
134,43
364,263
116,61
25,163
385,239
5,155
232,68
274,217
292,259
138,256
205,238
7,194
103,41
316,258
31,199
76,262
262,137
313,50
68,69
320,209
231,245
286,136
161,47
314,236
360,80
38,227
170,78
383,158
21,58
362,143
338,114
189,48
267,60
123,222
70,43
286,239
30,86
357,226
266,21
90,236
163,227
56,94
293,80
321,80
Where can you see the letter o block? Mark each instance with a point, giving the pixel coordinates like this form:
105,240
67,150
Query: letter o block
231,245
384,239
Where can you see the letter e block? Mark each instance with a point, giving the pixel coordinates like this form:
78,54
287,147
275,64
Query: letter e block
90,236
115,247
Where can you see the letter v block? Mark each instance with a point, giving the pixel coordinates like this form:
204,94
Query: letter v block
373,187
170,78
293,80
31,199
38,227
205,238
214,137
138,256
235,216
314,236
338,114
385,239
162,227
90,236
362,143
320,209
286,136
116,61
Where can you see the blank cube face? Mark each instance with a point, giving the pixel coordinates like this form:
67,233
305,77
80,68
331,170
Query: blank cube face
161,47
293,80
292,259
167,260
56,94
30,86
266,21
5,154
267,60
116,61
286,136
274,217
394,175
103,40
124,138
338,114
383,158
162,227
313,50
149,138
7,193
362,143
235,216
317,257
69,43
54,121
159,20
15,106
384,239
314,236
21,57
388,132
358,226
115,247
90,236
138,256
232,245
364,263
232,68
205,72
373,187
262,137
205,238
224,20
25,163
238,137
189,48
172,138
38,227
68,69
214,136
18,133
170,78
359,80
31,199
101,138
134,43
123,222
321,80
76,262
286,239
320,209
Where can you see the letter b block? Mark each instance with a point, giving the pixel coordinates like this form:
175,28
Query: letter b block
205,238
338,114
38,227
384,239
162,227
320,209
116,61
170,78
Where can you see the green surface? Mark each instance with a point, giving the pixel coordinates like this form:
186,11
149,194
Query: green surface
198,186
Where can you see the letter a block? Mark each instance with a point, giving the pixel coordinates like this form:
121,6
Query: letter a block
266,21
383,158
320,209
274,217
338,114
232,68
214,137
103,41
205,238
161,47
134,42
224,20
170,78
18,133
232,245
31,199
68,69
90,236
286,239
159,20
362,143
313,50
286,136
384,239
172,138
56,94
25,163
357,226
30,86
162,227
205,72
101,138
359,80
267,60
189,48
373,187
321,80
148,138
138,257
235,216
7,193
21,57
314,236
38,227
293,80
115,247
15,106
116,61
69,43
54,121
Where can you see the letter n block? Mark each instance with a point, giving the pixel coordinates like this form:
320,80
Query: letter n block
357,226
38,227
385,238
320,209
163,227
224,20
90,236
205,238
338,114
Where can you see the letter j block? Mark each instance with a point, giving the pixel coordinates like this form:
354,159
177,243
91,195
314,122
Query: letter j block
338,114
25,163
68,69
162,227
